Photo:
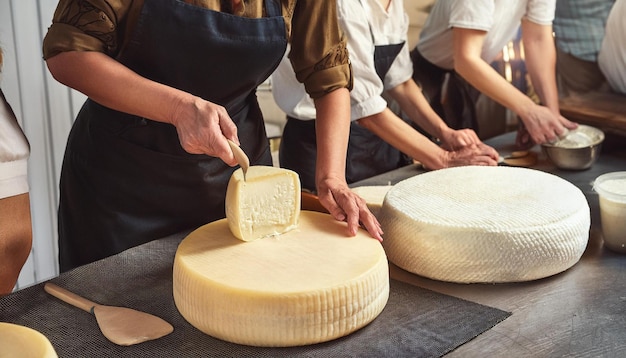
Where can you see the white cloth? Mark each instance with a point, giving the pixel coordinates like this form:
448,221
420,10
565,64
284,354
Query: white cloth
14,153
499,18
612,56
366,25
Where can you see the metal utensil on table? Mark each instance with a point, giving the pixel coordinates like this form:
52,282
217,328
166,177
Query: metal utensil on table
241,157
520,158
120,325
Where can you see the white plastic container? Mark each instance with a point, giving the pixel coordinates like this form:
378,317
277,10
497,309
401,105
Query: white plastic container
611,188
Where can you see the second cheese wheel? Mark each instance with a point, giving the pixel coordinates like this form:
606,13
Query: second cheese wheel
20,341
309,285
485,224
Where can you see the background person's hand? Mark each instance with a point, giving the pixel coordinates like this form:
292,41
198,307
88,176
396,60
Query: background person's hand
477,154
541,125
457,139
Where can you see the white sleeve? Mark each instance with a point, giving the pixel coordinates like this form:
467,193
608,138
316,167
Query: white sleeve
541,11
471,14
14,154
365,97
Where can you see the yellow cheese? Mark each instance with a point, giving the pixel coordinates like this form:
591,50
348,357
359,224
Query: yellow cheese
267,203
373,195
310,285
485,224
22,342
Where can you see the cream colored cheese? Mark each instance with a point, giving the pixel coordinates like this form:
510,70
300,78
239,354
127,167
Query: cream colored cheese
485,224
22,342
373,195
267,203
309,285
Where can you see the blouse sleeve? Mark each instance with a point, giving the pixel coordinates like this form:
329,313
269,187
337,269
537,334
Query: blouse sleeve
365,97
318,49
541,11
96,25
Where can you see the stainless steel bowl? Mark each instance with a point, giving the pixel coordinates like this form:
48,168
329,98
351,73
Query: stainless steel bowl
578,150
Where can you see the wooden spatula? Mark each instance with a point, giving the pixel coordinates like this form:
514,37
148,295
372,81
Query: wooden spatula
120,325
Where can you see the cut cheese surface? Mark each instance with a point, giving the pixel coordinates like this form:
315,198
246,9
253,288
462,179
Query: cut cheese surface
310,285
485,224
19,341
267,203
373,195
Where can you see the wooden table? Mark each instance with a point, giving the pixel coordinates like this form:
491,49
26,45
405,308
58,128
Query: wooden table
578,313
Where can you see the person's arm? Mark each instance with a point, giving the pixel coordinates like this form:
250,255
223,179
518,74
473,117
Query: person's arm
202,126
540,121
406,139
413,103
540,59
16,239
332,132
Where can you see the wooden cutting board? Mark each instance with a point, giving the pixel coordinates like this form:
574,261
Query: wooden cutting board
603,110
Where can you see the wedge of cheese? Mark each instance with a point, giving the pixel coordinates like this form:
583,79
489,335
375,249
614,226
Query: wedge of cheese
485,224
266,203
309,285
373,195
21,341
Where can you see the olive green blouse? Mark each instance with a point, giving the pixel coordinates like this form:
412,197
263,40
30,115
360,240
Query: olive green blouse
318,49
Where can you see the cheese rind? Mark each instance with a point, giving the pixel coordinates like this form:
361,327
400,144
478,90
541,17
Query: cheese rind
309,285
266,203
485,224
21,341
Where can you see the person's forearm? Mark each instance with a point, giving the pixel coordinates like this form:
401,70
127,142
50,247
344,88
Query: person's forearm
413,103
111,84
403,137
332,126
489,82
540,57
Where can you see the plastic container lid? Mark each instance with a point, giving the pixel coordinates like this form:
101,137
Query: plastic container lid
611,186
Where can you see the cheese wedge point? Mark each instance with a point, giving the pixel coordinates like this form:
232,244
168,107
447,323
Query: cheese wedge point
266,203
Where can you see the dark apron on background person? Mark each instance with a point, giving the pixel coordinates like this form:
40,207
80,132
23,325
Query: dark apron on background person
368,155
456,103
127,180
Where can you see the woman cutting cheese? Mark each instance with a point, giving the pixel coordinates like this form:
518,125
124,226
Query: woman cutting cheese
377,35
462,37
168,82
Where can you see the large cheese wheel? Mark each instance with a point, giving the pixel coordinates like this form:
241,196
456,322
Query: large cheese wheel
18,341
309,285
485,224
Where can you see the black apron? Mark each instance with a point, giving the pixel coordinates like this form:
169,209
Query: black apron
458,109
368,155
127,180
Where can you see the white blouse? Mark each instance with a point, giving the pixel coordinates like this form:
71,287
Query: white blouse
14,153
501,20
366,25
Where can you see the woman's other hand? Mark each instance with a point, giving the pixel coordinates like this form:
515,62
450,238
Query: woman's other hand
345,205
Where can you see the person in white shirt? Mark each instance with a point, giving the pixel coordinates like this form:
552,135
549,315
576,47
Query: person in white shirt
379,140
462,38
15,219
612,56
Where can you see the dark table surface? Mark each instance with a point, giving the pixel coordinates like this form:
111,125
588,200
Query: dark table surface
578,313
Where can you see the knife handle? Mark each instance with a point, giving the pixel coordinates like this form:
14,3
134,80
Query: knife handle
69,297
